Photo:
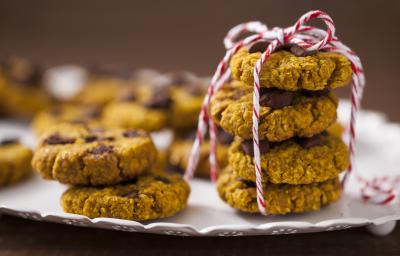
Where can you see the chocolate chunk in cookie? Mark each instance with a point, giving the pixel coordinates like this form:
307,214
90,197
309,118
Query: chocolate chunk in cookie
316,140
57,139
131,134
275,98
318,93
224,137
248,148
132,194
101,149
8,141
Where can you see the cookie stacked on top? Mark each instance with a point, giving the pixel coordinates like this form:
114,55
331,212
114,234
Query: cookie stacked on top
111,173
300,160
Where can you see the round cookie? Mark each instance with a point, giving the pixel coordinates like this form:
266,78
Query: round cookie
15,162
286,71
147,197
66,113
295,161
21,88
279,198
282,114
182,146
83,156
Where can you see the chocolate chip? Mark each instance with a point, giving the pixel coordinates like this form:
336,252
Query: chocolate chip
9,141
109,138
247,183
260,46
101,149
131,134
316,140
247,147
224,137
57,139
318,93
275,98
162,179
174,168
159,101
300,52
132,194
91,138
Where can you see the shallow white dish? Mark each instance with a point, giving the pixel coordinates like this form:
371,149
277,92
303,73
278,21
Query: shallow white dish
378,154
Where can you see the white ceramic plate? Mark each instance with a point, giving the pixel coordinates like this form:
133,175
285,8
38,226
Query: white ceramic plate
378,154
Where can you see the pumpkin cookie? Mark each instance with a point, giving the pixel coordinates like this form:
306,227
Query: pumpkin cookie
21,88
144,198
66,113
295,161
15,162
84,156
293,70
279,198
283,114
182,146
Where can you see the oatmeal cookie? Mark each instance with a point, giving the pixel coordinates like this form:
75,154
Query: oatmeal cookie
15,162
286,71
279,198
84,156
144,198
283,114
295,161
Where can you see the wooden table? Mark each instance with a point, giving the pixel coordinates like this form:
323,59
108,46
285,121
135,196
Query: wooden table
171,35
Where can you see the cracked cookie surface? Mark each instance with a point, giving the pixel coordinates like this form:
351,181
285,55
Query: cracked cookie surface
292,163
15,162
286,71
279,198
232,108
84,156
147,197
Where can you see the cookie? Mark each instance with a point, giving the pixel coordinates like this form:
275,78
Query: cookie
21,88
279,198
187,95
295,161
84,156
283,114
336,129
147,197
64,114
284,70
15,162
182,146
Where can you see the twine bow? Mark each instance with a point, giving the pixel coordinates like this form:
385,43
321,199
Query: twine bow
307,37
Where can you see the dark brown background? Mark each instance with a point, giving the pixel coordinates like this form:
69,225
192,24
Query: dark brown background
172,35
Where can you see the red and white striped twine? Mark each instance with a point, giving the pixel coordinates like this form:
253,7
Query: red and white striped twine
380,191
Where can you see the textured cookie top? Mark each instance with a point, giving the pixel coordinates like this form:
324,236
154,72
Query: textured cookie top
146,197
287,71
295,161
279,198
80,155
283,114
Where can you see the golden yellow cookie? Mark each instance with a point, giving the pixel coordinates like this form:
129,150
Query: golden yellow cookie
279,198
66,114
336,129
147,197
84,156
15,162
286,71
232,108
295,161
21,88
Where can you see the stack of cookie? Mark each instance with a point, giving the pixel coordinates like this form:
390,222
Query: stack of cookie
300,160
111,173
